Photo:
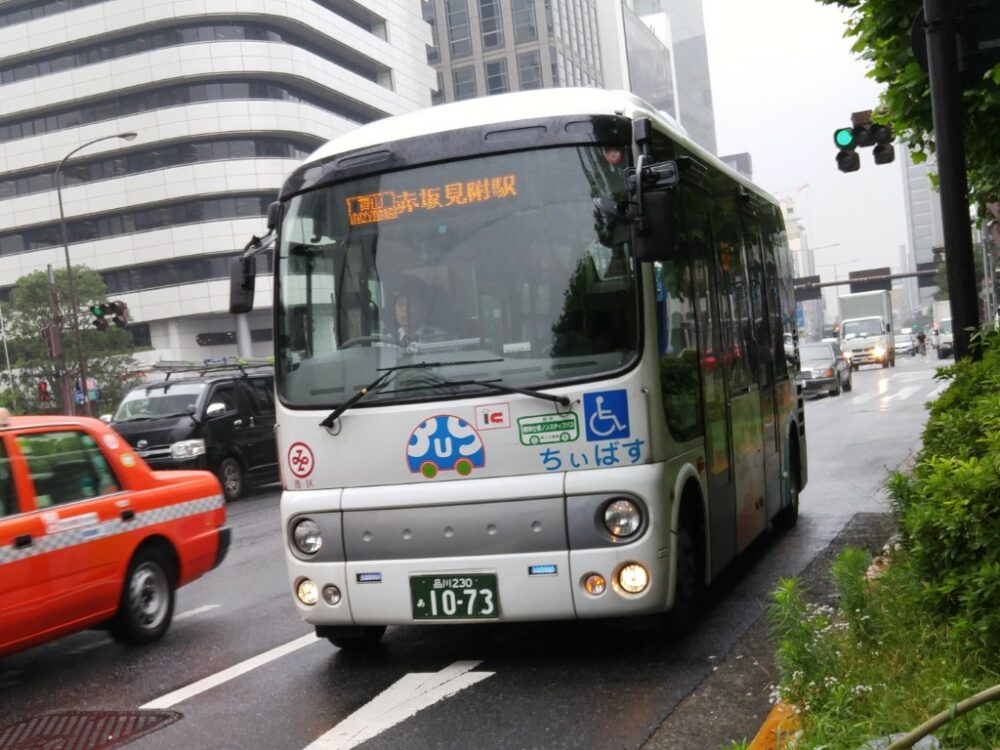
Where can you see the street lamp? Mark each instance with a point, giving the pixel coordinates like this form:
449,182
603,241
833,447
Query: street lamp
69,268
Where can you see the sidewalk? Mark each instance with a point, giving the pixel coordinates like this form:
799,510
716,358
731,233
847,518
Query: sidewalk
733,704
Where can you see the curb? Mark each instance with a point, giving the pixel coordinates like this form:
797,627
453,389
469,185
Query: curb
781,725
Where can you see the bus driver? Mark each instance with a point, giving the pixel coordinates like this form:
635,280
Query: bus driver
412,307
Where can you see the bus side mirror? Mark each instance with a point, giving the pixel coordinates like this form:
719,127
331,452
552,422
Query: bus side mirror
654,235
242,281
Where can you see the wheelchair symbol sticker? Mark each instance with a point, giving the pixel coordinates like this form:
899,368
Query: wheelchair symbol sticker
606,415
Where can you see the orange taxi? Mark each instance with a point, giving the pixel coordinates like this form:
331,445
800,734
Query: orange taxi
91,536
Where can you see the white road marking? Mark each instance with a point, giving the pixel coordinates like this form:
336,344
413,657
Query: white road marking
214,680
863,398
937,391
398,702
196,611
903,393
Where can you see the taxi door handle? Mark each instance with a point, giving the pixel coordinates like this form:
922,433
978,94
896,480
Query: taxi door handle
128,515
20,542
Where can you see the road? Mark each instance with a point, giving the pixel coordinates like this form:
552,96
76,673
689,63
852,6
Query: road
240,670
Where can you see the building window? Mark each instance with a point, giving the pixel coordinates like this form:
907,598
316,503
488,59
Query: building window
140,334
161,156
496,77
459,33
464,81
529,70
491,24
215,338
159,216
437,97
118,105
149,40
30,11
434,50
525,28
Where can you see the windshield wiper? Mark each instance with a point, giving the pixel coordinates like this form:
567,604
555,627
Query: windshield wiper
382,380
500,387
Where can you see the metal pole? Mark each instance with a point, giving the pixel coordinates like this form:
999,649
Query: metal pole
74,310
6,356
946,107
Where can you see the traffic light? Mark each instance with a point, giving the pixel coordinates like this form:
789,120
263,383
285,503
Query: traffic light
861,134
117,310
883,152
99,311
43,391
847,158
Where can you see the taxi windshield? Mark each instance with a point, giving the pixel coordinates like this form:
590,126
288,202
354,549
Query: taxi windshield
159,401
493,269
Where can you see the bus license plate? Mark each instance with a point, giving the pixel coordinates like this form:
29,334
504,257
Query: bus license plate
463,596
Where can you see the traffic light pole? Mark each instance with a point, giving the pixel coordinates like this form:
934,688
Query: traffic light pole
946,107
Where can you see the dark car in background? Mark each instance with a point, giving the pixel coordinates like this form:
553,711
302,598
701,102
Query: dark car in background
824,368
216,418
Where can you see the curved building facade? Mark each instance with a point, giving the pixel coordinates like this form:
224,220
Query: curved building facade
226,97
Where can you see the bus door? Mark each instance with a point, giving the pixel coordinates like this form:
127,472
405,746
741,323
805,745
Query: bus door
743,376
764,338
715,404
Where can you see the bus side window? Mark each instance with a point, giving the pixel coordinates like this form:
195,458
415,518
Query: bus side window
677,348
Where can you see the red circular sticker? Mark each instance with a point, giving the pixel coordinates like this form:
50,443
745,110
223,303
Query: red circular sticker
300,460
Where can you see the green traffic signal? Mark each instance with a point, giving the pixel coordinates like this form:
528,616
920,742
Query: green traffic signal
844,137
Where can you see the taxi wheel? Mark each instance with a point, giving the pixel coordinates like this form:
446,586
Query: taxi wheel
231,476
147,603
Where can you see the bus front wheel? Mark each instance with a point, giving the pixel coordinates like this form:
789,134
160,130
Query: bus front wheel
352,637
689,585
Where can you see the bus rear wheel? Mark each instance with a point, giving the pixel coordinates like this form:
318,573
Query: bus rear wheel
352,637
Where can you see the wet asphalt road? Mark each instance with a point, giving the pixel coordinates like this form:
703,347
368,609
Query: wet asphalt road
563,685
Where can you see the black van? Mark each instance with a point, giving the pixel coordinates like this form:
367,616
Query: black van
217,418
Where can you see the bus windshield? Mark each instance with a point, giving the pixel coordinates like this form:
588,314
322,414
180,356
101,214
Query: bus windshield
495,269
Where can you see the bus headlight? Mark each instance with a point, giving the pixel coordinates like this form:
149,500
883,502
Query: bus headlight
307,537
633,578
187,449
622,518
307,592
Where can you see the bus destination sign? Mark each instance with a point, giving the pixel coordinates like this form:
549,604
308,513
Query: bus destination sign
390,205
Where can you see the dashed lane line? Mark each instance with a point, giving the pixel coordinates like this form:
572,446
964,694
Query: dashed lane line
237,670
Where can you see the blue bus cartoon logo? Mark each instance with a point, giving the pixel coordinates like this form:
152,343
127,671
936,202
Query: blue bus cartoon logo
445,443
606,414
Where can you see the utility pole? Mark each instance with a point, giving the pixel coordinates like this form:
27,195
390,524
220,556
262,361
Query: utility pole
55,348
946,105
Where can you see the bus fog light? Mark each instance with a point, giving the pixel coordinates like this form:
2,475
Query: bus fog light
622,518
594,584
633,578
331,595
307,537
307,592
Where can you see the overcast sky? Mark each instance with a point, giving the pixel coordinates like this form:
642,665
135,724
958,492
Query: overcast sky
783,79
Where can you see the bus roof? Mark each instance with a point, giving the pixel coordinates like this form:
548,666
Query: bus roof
513,107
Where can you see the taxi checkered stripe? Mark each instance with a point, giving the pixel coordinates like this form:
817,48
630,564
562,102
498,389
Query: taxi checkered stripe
62,539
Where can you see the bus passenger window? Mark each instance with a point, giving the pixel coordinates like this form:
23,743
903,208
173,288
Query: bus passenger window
677,345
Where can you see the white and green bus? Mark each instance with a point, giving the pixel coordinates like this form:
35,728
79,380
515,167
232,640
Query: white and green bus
530,365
